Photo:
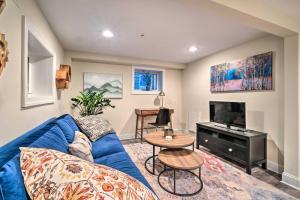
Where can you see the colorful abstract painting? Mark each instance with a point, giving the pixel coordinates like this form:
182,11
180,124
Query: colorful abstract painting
249,74
112,83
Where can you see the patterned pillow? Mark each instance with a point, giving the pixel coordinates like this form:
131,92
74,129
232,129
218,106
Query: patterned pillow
94,126
50,174
81,147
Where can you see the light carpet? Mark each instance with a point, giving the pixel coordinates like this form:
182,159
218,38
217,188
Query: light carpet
221,180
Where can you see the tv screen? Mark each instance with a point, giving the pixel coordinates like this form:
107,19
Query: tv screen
228,113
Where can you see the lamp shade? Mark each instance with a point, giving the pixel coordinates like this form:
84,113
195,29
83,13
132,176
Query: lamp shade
162,94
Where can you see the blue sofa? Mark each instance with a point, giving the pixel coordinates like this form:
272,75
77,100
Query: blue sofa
57,133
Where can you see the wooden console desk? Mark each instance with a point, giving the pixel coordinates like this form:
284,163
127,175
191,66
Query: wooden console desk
147,112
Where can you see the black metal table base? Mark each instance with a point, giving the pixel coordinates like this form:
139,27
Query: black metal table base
153,168
153,159
153,165
174,182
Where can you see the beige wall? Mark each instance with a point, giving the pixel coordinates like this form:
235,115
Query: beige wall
123,116
291,143
264,109
13,120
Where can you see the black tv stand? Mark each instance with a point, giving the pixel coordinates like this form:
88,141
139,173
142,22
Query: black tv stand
246,147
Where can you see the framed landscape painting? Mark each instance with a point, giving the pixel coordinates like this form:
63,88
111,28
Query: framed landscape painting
112,83
250,74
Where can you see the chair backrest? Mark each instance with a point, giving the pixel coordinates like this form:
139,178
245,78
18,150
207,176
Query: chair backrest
163,116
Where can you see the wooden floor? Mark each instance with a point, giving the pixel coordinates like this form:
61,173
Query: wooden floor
266,176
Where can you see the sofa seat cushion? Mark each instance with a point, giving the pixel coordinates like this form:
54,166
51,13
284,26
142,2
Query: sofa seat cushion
68,125
122,162
50,174
107,145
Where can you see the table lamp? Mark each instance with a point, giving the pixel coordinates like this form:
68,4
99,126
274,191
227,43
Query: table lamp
162,94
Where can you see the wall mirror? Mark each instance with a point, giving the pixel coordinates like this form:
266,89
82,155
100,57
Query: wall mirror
38,65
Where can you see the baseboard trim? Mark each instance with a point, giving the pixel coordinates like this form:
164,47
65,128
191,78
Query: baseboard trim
291,180
274,167
126,136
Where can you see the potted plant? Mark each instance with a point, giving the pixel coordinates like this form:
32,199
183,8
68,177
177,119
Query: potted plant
91,103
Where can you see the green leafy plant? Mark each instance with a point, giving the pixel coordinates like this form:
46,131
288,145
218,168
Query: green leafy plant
91,103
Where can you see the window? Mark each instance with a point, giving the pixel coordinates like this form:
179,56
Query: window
147,80
38,66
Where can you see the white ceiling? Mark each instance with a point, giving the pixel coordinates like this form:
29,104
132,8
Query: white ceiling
170,27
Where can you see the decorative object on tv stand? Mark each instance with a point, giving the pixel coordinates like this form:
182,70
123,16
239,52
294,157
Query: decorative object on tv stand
3,52
249,74
162,94
63,77
2,5
112,83
91,103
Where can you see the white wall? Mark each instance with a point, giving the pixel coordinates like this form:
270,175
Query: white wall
264,109
123,117
40,80
13,120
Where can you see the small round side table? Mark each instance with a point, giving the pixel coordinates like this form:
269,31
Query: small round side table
180,159
157,139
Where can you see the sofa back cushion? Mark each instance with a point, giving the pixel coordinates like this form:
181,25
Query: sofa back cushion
68,125
11,149
54,138
11,180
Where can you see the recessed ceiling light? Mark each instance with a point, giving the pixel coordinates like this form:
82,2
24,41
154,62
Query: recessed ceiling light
193,49
107,34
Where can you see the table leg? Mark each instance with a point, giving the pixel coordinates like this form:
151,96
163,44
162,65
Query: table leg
200,172
174,181
151,171
153,159
136,126
142,129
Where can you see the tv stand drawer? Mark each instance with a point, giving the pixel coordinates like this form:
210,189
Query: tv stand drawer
233,150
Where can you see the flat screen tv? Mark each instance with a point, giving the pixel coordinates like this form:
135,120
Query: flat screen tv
228,113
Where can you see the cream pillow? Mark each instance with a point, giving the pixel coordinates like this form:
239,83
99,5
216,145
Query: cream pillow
81,147
94,126
50,174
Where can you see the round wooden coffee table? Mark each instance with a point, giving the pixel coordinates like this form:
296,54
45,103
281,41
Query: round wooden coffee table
157,139
180,159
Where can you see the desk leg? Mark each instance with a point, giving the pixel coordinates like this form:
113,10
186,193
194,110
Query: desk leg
142,129
171,124
136,126
153,159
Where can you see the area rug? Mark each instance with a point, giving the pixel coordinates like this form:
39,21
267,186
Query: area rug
221,180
